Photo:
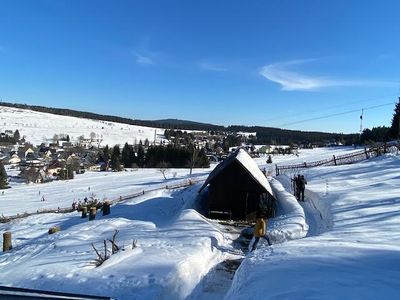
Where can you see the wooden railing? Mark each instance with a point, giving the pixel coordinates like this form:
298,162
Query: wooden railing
180,184
337,160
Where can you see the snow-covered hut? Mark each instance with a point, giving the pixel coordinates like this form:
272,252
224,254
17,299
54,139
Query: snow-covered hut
238,189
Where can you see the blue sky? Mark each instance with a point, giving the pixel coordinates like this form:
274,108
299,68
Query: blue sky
275,63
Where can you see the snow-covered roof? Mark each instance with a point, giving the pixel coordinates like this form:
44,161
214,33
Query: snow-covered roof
247,162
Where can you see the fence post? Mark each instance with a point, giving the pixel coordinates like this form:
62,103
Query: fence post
366,152
334,160
305,165
276,170
385,148
7,244
106,208
92,213
84,212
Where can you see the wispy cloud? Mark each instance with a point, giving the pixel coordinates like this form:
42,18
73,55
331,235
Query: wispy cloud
290,80
211,67
143,60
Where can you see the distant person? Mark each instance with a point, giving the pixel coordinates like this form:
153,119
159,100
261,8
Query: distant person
260,230
43,199
302,187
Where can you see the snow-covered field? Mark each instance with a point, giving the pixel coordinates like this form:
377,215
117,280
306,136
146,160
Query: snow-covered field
38,127
352,250
100,185
343,242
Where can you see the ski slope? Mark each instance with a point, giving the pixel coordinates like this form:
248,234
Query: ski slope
38,127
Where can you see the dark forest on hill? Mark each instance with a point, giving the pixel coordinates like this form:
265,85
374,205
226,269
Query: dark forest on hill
265,135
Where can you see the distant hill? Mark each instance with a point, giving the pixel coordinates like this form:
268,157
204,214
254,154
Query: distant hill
166,124
265,135
185,124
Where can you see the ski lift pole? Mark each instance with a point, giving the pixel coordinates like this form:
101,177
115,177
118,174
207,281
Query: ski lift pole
361,125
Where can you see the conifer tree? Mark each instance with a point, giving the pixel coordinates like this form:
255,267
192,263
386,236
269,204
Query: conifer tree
17,136
394,131
3,177
115,159
126,155
140,155
105,155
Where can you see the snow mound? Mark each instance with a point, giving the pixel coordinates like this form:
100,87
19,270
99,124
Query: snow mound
290,223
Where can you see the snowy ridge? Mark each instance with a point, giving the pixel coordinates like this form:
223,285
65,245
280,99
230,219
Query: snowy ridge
290,223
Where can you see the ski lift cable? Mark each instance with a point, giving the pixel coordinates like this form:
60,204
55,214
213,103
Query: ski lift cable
332,107
337,114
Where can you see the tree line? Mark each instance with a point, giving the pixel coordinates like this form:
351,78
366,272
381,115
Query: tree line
265,135
383,133
168,156
277,136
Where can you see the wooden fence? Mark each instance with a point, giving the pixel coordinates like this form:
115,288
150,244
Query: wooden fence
180,184
345,159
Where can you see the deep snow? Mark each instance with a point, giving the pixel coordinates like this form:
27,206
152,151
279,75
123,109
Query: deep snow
354,252
347,248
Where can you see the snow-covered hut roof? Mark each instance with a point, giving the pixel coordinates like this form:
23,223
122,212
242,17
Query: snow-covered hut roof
248,164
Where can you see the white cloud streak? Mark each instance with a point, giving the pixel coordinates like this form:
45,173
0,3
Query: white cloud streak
211,67
294,81
143,60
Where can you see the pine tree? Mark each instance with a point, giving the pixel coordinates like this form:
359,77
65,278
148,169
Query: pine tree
3,177
105,154
115,159
394,131
140,155
17,136
127,155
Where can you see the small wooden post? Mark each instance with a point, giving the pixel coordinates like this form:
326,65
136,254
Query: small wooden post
106,208
334,160
366,153
92,213
7,242
84,212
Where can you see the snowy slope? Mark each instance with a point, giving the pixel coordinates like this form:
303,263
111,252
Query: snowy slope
175,249
40,127
355,256
348,248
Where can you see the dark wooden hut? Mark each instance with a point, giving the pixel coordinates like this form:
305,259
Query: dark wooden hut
238,189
